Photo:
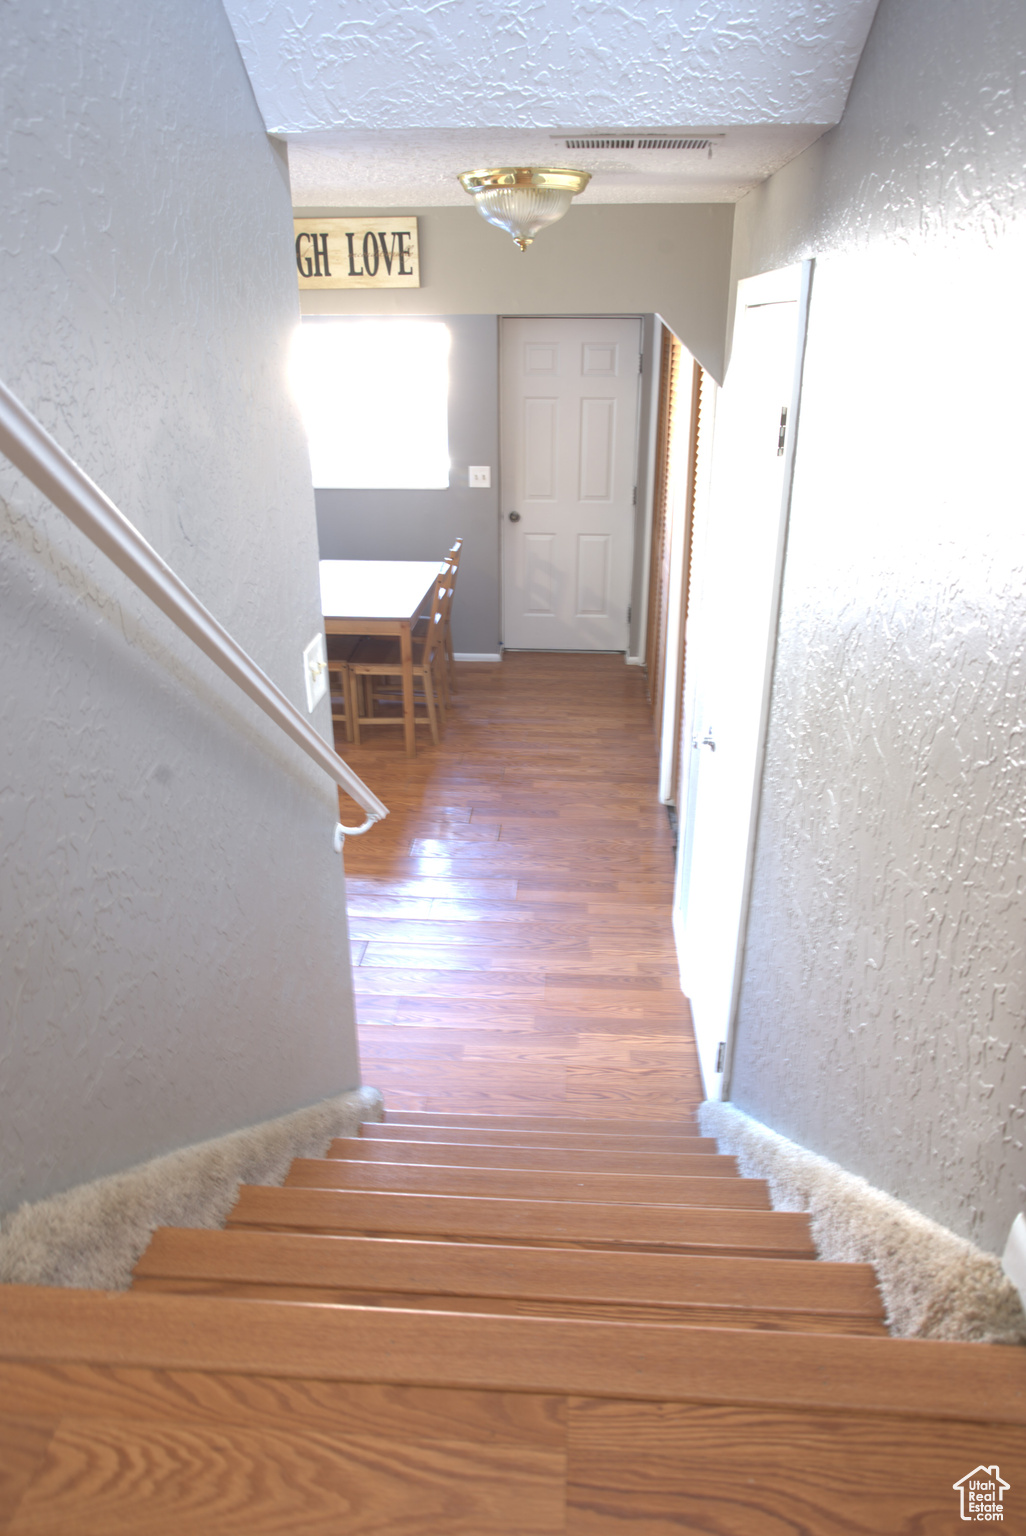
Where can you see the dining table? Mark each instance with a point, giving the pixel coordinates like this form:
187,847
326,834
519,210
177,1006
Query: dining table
380,597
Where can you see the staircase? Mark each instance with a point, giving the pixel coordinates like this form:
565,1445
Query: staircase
549,1309
495,1326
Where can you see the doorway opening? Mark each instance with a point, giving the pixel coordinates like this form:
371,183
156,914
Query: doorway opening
569,403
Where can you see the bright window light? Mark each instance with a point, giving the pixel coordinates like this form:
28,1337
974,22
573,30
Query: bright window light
374,397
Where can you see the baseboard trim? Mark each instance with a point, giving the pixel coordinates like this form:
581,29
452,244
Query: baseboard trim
92,1236
934,1284
478,655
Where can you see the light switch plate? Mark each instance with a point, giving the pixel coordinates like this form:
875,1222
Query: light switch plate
479,477
315,671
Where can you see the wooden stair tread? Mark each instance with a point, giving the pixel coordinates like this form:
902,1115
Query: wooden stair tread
136,1415
684,1315
467,1155
645,1362
530,1184
561,1223
576,1140
302,1259
616,1127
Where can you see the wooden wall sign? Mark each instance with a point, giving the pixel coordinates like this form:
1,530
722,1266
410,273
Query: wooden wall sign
357,253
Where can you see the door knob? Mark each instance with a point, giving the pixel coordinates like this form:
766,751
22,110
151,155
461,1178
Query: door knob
707,741
514,517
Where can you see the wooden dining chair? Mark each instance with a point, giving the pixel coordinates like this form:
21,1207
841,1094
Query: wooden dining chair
378,657
453,559
451,569
340,684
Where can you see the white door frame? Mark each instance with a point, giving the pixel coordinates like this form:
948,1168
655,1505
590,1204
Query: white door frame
590,315
791,443
678,531
651,363
682,891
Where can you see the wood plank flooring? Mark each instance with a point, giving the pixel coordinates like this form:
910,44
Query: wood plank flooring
510,921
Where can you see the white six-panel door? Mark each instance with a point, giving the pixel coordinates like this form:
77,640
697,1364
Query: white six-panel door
569,453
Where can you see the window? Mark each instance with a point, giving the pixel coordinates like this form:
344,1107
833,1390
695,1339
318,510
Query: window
374,397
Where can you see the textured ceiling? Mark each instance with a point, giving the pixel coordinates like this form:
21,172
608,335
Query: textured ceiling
382,86
418,169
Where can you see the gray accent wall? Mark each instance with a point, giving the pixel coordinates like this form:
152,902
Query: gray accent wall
173,957
421,525
671,259
883,1010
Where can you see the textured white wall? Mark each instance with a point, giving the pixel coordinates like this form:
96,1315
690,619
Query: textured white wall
172,929
883,1012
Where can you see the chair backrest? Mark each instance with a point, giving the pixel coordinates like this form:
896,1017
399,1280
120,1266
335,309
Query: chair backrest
452,561
441,597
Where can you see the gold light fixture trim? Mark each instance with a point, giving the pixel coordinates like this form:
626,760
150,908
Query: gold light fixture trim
523,199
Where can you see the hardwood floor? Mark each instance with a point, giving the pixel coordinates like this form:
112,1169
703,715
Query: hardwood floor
510,921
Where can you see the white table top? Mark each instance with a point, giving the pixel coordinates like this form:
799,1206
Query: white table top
375,589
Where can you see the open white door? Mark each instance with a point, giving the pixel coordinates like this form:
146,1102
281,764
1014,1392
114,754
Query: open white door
731,638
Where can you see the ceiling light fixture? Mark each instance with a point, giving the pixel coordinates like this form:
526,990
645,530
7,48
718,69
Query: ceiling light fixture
523,199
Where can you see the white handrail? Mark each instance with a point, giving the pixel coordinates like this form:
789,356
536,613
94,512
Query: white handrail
43,461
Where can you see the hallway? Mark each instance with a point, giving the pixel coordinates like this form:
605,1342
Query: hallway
510,921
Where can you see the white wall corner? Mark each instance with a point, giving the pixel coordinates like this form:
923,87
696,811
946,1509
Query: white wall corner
1013,1260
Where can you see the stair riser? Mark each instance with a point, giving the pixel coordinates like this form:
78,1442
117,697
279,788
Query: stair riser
448,1155
613,1127
378,1264
499,1184
764,1319
534,1140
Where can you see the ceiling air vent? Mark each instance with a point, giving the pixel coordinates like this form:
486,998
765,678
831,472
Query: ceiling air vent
599,143
635,142
673,144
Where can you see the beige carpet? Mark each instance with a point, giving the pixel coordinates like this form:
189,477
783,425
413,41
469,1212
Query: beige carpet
934,1284
93,1235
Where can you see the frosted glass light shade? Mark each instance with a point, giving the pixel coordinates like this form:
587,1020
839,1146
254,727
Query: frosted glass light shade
523,199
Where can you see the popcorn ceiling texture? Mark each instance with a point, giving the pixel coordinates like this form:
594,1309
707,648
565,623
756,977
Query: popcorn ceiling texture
172,928
882,1018
570,63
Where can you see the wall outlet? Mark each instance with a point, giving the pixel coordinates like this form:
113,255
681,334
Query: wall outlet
479,477
315,671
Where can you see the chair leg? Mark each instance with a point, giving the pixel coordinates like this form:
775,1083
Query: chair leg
339,672
356,699
440,671
347,681
429,699
450,661
441,668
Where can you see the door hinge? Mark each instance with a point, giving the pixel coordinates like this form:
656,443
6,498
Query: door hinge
628,615
783,431
641,362
721,1051
634,497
